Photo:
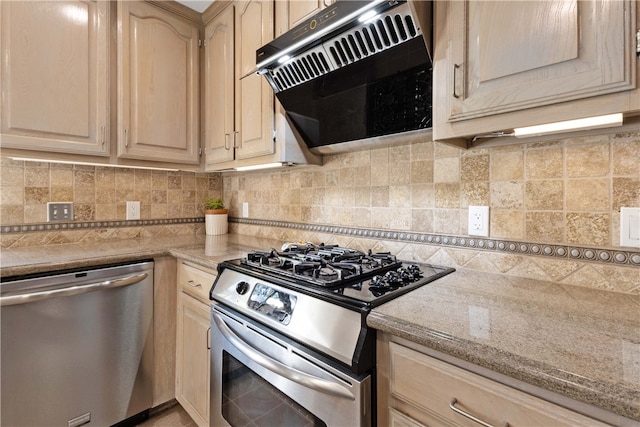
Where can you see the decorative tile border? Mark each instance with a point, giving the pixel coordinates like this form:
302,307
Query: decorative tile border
600,255
608,256
58,226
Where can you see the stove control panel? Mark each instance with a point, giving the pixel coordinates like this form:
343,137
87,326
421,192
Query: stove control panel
242,287
273,303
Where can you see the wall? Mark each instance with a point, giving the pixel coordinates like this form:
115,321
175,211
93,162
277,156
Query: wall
554,206
99,196
560,192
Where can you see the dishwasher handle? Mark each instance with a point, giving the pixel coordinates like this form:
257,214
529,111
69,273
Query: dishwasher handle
71,290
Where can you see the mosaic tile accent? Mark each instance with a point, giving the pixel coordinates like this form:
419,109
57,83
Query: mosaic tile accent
608,256
59,226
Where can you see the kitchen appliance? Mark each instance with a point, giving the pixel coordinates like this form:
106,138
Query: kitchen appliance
290,344
77,346
355,75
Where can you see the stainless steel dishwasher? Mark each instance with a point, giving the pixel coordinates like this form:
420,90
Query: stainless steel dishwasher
77,346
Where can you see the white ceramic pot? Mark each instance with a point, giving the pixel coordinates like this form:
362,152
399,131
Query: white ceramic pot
216,223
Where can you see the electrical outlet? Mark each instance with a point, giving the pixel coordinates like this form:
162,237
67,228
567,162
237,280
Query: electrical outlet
59,211
479,221
630,227
245,209
133,210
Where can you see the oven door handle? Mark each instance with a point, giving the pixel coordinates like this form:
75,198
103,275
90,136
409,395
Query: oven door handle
302,378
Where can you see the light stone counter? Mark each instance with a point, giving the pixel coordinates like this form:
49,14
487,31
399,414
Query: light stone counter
577,342
205,250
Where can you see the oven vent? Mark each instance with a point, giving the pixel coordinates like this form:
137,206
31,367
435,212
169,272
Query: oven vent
384,32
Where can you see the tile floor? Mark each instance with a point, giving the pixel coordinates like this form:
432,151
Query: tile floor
173,416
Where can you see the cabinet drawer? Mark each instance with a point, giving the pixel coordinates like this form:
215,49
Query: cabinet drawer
196,281
442,391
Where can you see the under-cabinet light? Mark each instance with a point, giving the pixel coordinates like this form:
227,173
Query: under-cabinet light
597,122
103,165
258,167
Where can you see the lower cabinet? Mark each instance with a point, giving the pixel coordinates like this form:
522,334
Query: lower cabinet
192,340
415,389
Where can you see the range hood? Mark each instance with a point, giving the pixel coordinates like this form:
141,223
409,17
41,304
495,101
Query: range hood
355,75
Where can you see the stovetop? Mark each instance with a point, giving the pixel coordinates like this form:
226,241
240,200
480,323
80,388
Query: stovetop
341,275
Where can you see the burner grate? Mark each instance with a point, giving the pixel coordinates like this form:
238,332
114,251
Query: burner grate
322,265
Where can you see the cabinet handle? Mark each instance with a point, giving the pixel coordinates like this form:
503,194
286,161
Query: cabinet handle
234,140
456,67
209,338
102,136
126,138
226,140
194,284
465,414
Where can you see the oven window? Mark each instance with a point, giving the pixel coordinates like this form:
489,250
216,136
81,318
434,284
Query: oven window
247,399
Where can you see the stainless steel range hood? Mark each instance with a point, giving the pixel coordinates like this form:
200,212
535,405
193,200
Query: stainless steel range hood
355,74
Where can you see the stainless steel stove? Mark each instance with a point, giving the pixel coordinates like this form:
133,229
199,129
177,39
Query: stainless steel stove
312,300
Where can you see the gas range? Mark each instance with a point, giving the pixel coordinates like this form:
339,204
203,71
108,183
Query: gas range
320,295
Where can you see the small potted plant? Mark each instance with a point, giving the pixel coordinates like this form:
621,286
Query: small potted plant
215,216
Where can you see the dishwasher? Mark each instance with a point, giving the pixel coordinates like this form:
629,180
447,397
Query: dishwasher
77,346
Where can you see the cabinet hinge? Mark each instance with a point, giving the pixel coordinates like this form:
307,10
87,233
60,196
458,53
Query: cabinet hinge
200,151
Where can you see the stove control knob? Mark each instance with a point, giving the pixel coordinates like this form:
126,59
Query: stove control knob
242,288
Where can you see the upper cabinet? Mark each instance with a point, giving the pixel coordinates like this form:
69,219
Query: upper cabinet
55,74
158,85
244,124
238,103
218,90
501,65
254,96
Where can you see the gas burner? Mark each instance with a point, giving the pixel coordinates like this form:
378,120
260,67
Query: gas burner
322,265
394,279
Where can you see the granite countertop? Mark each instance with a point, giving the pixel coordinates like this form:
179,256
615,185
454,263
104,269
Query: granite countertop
200,249
580,343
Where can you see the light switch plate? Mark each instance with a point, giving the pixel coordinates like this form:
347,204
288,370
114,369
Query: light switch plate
59,211
245,209
630,227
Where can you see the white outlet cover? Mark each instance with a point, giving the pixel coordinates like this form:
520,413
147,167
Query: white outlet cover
245,209
630,227
478,221
133,210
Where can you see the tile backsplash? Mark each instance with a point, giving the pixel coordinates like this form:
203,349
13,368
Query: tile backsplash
563,196
567,191
100,193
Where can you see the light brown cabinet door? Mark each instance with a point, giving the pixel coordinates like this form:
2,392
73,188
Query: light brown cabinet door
192,371
254,97
289,13
493,58
55,72
158,72
219,84
303,9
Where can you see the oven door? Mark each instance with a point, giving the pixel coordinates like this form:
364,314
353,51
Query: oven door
259,377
